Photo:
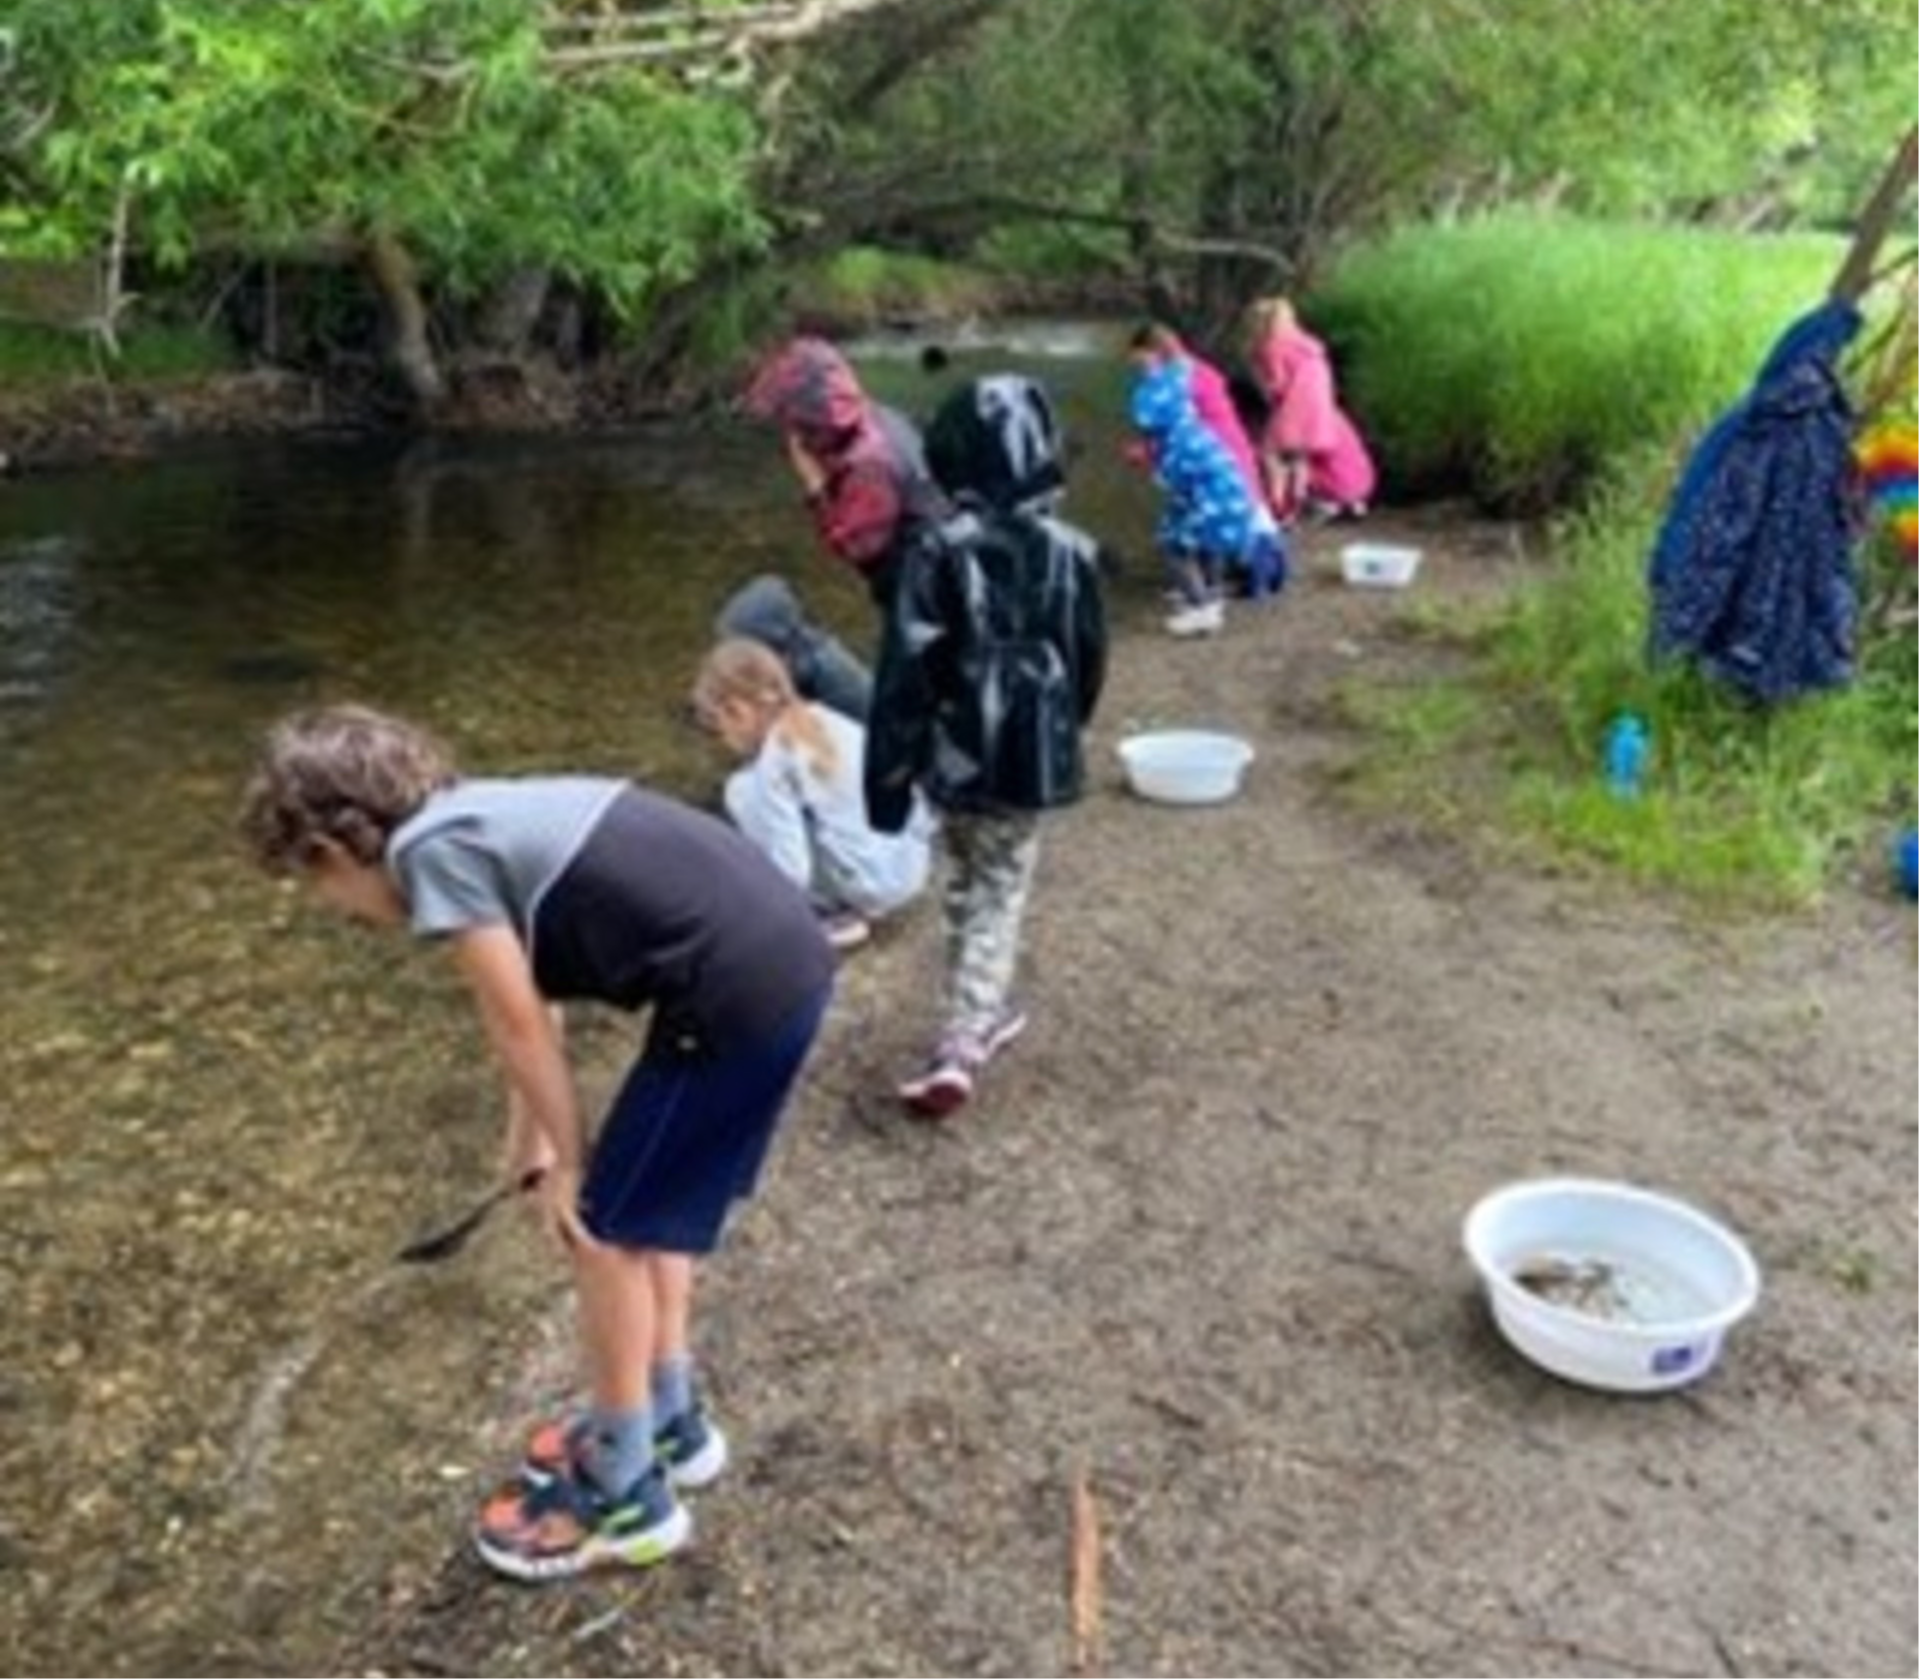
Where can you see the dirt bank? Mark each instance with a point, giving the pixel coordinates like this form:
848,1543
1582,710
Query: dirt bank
57,428
1199,1243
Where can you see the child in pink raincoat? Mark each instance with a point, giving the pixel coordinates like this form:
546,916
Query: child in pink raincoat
1311,455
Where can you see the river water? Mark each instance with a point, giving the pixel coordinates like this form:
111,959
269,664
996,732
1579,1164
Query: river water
226,1411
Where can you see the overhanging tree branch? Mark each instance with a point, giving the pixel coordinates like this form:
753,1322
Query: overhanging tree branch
695,39
944,25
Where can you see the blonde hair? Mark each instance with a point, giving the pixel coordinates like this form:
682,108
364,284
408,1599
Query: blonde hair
745,672
344,773
1268,315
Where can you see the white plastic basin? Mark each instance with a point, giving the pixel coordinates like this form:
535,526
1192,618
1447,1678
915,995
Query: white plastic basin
1378,565
1675,1280
1185,766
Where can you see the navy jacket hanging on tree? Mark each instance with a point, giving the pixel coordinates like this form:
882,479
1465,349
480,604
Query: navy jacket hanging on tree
1752,573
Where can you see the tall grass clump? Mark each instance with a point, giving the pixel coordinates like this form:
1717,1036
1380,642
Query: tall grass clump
862,286
1742,802
1515,358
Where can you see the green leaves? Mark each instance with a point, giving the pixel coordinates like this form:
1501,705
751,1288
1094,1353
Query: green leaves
1299,124
281,121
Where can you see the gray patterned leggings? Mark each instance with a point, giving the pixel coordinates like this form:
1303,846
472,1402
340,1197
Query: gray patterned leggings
984,898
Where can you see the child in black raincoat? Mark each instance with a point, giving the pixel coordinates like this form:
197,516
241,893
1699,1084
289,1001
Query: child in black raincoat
991,662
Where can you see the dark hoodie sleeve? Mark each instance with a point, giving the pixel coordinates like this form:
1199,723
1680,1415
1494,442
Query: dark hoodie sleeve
899,730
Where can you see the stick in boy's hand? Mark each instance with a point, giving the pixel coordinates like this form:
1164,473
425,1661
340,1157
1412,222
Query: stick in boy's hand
445,1243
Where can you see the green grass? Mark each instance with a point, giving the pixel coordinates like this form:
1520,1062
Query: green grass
45,357
1429,757
1516,357
863,287
1743,807
1542,363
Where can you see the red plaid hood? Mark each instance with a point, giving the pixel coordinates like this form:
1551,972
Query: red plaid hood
809,388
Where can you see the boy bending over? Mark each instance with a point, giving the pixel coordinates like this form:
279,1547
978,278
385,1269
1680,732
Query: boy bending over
545,889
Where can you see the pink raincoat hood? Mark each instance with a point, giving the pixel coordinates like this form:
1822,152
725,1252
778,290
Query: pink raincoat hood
810,389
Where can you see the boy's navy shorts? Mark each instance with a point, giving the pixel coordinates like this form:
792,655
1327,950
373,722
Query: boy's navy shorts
686,1138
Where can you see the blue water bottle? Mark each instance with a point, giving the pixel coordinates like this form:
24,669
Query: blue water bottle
1905,862
1627,744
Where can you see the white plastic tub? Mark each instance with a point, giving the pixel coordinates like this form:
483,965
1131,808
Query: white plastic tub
1378,565
1185,766
1675,1280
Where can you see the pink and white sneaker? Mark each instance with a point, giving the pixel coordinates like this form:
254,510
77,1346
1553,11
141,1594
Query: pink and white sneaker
946,1085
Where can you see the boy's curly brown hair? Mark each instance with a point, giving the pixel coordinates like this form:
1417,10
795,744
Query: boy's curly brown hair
345,773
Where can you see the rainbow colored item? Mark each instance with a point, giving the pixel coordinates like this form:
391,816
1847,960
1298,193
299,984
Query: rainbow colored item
1888,457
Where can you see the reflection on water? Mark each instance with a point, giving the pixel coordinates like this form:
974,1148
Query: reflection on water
36,613
225,1410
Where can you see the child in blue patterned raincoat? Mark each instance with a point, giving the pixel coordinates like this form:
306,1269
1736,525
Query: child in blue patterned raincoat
1212,527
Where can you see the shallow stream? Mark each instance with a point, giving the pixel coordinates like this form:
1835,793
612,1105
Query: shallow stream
226,1410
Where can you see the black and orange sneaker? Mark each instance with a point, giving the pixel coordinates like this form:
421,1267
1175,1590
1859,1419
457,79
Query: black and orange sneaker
569,1525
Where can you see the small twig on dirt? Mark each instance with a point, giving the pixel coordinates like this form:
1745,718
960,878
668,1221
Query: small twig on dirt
1559,1645
1375,1262
1724,1651
1086,1593
599,1624
1170,1409
1701,1407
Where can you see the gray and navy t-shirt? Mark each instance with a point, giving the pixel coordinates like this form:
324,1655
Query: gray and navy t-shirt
622,896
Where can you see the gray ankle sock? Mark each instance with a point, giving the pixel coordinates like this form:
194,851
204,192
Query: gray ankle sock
672,1383
618,1448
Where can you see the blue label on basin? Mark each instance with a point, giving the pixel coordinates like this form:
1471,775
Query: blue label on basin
1669,1361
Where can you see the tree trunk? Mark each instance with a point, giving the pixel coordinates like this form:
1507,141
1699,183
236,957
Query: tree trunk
1875,221
398,281
1230,272
512,310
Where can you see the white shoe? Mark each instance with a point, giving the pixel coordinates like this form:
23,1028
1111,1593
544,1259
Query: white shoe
1208,619
846,930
